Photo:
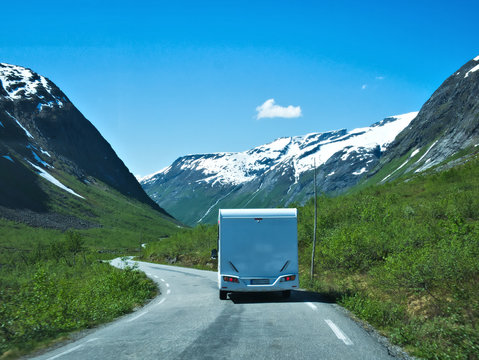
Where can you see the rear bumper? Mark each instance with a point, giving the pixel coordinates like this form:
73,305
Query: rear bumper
244,284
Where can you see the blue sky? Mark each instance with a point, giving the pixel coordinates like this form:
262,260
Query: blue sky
162,79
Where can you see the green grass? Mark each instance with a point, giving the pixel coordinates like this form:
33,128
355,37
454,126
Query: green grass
53,283
60,286
188,247
403,256
47,300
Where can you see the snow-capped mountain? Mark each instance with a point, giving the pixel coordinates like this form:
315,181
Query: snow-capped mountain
48,149
275,174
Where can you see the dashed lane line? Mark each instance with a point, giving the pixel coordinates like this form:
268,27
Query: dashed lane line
161,301
72,349
137,316
312,306
339,334
66,352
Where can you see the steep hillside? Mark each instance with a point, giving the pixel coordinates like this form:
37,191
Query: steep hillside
53,161
275,174
447,124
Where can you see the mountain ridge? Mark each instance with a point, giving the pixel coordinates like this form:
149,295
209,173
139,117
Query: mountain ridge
202,182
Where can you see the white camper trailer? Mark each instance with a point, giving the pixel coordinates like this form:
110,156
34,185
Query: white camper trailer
257,250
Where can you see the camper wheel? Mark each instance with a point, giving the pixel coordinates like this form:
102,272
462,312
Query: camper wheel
223,295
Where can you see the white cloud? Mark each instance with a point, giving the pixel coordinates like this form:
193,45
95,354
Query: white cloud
270,110
364,86
379,77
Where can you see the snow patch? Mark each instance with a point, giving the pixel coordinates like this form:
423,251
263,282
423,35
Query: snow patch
39,160
256,193
54,181
425,166
20,82
424,155
149,178
399,168
331,173
414,153
474,69
362,171
49,104
18,122
45,152
387,177
476,58
216,203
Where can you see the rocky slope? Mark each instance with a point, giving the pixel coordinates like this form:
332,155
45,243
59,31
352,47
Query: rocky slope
447,123
276,174
49,149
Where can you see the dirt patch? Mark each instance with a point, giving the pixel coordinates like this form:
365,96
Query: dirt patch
47,220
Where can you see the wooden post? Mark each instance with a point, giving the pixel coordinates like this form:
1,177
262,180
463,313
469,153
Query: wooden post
315,222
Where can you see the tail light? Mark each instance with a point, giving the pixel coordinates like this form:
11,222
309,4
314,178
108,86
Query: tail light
288,278
230,279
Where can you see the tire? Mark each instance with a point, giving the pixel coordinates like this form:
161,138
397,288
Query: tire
223,295
286,294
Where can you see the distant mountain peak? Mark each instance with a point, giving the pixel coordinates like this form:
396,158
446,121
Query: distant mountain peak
239,167
281,167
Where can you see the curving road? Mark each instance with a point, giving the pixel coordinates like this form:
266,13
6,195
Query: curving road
188,321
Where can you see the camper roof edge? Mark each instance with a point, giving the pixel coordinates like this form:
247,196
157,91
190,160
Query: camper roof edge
258,213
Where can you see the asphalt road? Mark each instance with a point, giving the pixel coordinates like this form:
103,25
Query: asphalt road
188,321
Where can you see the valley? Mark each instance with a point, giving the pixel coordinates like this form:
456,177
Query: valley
397,224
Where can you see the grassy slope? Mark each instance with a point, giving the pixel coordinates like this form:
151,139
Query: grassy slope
52,283
403,256
124,222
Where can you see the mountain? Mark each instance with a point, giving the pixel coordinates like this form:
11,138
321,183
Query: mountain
447,124
276,174
53,161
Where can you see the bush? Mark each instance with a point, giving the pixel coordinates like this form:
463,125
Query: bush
54,298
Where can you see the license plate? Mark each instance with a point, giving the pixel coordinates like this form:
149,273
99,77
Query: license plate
259,281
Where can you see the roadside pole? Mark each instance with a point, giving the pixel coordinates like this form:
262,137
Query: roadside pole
315,221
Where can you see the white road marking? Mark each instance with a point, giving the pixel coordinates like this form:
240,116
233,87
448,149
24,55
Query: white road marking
162,280
94,339
161,301
339,334
66,352
137,316
168,292
149,274
312,306
167,285
156,276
